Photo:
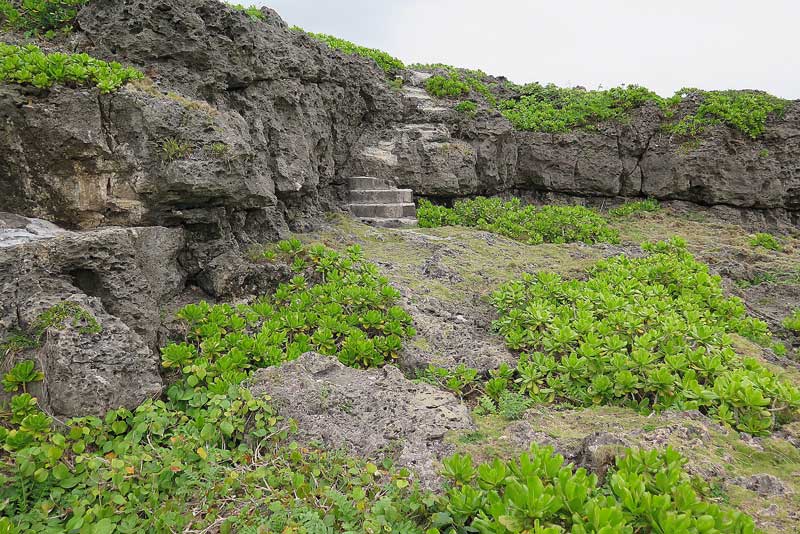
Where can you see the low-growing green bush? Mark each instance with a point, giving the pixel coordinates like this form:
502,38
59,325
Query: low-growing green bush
639,206
530,224
648,333
793,321
384,60
467,107
554,109
457,82
29,65
446,86
253,12
40,17
462,381
746,111
337,305
647,492
209,455
767,241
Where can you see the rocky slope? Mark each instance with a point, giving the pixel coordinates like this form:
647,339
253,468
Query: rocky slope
131,204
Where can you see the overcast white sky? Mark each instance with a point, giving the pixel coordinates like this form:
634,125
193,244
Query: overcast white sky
710,44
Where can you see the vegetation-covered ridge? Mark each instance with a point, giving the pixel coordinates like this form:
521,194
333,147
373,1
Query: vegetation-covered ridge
553,109
530,224
44,18
385,61
29,65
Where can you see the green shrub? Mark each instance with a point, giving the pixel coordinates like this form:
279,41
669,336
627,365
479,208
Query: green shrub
648,333
553,109
385,61
793,321
746,111
446,86
648,491
467,107
640,206
530,224
462,381
40,17
253,12
29,65
20,375
767,241
457,82
337,304
210,456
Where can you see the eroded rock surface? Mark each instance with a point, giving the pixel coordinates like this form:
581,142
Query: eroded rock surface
120,276
374,413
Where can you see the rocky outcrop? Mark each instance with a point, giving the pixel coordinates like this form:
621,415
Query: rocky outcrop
374,413
440,152
244,130
101,351
270,124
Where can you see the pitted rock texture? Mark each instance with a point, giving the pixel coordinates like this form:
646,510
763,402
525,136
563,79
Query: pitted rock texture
121,276
374,413
440,152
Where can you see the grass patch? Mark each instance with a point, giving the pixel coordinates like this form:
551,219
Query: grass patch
640,206
767,241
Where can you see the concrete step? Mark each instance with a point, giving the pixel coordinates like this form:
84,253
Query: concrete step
385,211
390,223
381,196
368,182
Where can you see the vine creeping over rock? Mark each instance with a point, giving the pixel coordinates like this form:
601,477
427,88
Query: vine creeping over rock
29,65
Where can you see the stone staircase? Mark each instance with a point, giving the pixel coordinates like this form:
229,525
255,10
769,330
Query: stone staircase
374,201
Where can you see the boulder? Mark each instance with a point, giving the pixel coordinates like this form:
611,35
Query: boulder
115,278
373,413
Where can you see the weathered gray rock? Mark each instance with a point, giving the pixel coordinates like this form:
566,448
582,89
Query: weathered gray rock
232,276
439,152
122,276
374,413
764,484
16,230
93,373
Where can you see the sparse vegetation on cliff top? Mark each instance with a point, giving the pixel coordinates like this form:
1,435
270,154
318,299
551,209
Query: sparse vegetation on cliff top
45,18
29,65
385,61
